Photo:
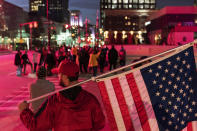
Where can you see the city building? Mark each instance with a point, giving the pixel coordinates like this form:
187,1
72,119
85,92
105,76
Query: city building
123,21
76,18
57,9
12,17
173,25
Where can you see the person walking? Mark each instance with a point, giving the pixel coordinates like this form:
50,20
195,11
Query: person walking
112,57
26,61
36,58
17,62
102,60
40,87
93,61
70,110
122,56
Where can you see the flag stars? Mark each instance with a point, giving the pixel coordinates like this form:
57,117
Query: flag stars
175,107
160,86
186,53
172,115
166,70
195,114
184,94
184,114
169,82
190,78
175,86
170,123
167,110
188,98
160,106
157,74
183,82
187,86
184,62
193,103
185,74
188,66
182,122
166,90
175,66
172,95
159,67
169,63
178,58
163,78
178,99
186,107
181,70
163,98
178,78
157,94
172,74
191,91
181,91
169,103
150,70
154,82
190,110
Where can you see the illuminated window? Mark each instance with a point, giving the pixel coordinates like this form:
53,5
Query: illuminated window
135,6
120,6
125,6
141,6
130,6
141,1
106,6
114,6
125,1
135,1
147,6
114,1
147,1
152,6
120,1
109,1
152,1
109,6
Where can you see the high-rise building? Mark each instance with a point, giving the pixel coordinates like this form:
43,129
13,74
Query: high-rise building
2,17
57,9
120,17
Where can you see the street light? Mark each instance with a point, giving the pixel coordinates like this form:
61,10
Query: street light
33,24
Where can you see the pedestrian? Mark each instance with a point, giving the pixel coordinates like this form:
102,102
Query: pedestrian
69,110
50,61
102,60
93,61
122,56
74,53
40,87
36,58
18,63
26,61
112,57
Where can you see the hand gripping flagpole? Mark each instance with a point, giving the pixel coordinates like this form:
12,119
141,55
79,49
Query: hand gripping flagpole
113,71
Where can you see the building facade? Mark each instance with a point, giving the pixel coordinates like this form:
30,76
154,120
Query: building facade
173,25
124,20
57,9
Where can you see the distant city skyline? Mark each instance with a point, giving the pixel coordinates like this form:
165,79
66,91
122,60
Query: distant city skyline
89,7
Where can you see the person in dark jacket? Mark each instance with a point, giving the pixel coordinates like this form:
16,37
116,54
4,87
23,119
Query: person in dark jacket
112,57
17,62
50,61
73,109
122,56
26,61
102,60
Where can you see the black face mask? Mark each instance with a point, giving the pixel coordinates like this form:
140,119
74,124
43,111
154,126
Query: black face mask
71,93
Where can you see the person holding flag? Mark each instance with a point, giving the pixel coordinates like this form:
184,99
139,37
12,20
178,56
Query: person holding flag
69,110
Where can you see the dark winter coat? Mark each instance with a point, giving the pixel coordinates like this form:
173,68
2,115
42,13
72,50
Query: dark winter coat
113,56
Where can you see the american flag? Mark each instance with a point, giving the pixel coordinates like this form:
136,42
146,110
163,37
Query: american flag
157,96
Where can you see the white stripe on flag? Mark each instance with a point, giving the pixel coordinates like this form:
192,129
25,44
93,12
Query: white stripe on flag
146,100
115,106
130,103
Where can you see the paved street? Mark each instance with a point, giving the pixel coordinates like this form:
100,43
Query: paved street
14,89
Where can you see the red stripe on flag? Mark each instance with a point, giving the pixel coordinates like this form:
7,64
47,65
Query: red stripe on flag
122,104
107,105
138,102
189,127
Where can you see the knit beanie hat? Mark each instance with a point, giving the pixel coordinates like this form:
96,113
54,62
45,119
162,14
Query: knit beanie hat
41,73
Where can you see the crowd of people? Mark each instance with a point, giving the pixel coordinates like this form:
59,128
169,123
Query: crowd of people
89,59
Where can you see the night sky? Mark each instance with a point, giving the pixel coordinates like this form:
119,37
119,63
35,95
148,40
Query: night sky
89,7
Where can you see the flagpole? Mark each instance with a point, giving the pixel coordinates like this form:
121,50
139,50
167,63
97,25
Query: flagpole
113,71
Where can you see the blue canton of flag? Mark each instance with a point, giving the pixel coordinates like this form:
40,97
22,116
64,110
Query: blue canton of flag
171,86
